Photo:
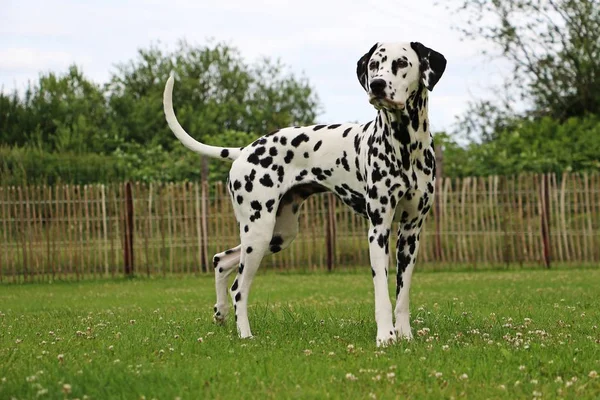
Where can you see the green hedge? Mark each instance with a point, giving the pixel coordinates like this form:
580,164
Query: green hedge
34,166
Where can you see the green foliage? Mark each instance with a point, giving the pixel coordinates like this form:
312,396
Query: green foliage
542,145
119,130
19,165
133,161
215,92
554,50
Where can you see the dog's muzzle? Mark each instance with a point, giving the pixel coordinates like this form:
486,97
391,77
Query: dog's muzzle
383,102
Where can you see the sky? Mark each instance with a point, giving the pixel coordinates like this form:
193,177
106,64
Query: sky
319,39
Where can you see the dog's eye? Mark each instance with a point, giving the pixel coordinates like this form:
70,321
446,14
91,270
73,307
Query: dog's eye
374,65
402,63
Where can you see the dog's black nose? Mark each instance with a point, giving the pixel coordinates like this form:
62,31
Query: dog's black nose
377,86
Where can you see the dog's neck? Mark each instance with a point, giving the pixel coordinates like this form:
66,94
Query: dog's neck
409,127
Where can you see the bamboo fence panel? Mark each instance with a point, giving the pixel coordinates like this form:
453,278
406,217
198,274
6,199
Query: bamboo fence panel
78,232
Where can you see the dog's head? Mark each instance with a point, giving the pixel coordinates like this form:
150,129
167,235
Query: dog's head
392,72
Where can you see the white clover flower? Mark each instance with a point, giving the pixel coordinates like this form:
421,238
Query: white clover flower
66,388
351,377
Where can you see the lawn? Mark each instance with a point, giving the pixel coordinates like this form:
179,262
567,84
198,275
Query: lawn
502,334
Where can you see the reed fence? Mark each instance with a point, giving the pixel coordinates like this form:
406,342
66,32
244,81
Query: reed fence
76,232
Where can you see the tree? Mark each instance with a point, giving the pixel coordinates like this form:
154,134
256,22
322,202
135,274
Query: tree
555,52
216,91
61,112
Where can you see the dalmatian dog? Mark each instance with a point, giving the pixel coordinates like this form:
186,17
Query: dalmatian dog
384,170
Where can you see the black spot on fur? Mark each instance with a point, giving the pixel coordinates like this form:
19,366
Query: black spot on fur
266,181
276,240
248,249
265,162
224,153
249,179
253,159
400,132
269,204
289,156
276,243
238,297
317,127
317,145
299,139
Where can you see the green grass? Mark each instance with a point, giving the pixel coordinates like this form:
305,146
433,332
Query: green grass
513,334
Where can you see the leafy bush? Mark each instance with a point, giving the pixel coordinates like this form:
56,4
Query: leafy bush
538,146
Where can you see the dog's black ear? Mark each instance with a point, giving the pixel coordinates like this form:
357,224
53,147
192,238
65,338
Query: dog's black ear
432,64
362,67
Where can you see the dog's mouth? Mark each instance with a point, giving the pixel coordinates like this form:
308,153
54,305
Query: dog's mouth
383,102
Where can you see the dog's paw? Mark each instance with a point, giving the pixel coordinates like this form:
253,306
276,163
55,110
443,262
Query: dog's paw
404,333
219,316
386,338
219,319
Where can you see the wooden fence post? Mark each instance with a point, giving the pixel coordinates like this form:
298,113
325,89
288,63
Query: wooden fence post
545,216
128,231
205,203
439,160
330,232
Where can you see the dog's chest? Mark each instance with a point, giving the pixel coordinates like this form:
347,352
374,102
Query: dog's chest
418,199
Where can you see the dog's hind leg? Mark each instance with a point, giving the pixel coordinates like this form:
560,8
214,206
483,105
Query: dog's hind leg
270,233
255,244
224,264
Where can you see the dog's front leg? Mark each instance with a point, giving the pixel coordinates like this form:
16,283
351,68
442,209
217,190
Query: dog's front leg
379,253
407,249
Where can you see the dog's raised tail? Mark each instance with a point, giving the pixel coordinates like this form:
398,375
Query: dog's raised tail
230,153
